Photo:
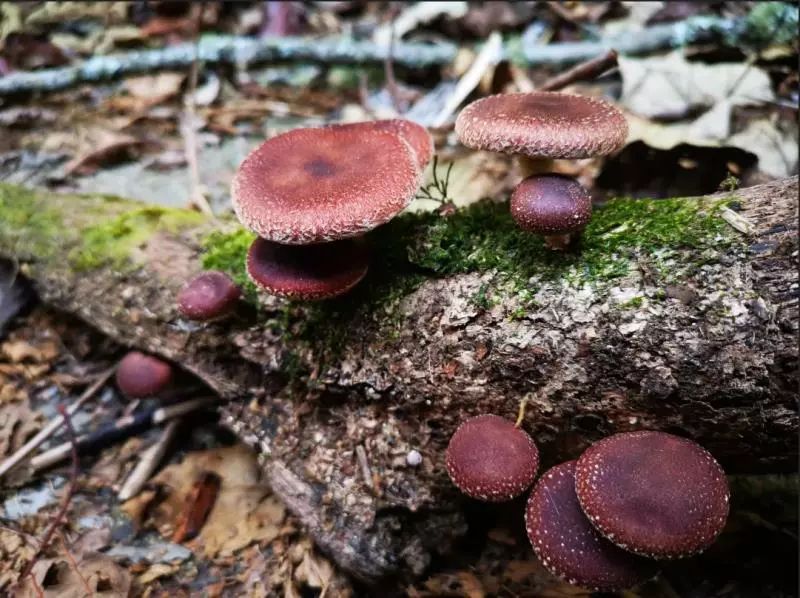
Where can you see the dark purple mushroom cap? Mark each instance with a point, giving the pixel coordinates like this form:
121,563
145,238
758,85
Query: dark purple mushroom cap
324,184
551,204
140,376
567,544
543,124
208,296
490,459
307,272
653,493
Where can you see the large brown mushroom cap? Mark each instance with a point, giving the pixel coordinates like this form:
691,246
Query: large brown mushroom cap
490,459
653,493
307,272
324,184
412,133
551,204
543,124
567,544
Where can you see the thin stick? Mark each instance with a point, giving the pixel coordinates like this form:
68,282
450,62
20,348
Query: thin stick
188,118
71,559
62,511
521,415
490,55
148,463
582,72
117,431
54,424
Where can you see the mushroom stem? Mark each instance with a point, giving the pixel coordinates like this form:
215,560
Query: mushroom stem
558,242
529,166
521,414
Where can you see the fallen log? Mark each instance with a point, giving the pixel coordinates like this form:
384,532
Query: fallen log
679,315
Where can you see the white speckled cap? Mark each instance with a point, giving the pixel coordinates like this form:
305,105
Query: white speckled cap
543,124
653,493
490,459
322,184
567,544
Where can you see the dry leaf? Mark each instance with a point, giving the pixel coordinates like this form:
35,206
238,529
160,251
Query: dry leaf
58,578
155,89
17,424
244,511
670,86
21,350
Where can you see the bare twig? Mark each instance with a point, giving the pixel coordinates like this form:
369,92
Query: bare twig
582,72
54,425
148,463
490,55
440,186
58,519
71,559
188,120
122,428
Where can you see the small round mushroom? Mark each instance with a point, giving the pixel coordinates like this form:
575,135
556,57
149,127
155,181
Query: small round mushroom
542,125
307,272
653,493
491,459
552,205
323,184
568,546
140,376
209,296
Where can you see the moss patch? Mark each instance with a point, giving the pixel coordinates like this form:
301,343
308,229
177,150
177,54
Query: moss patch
27,224
112,242
227,251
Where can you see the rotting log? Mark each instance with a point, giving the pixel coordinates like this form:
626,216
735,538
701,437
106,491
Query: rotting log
678,315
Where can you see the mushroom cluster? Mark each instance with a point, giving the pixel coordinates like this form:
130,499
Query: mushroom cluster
539,127
309,194
604,520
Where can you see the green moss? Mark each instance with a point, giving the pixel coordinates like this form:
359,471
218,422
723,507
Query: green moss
484,237
633,303
27,224
111,242
227,251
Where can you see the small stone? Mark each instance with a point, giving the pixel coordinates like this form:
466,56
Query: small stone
413,458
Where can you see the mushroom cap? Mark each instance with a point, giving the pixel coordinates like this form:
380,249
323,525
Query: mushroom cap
551,204
543,124
139,376
307,272
490,459
653,493
415,135
323,184
208,296
569,547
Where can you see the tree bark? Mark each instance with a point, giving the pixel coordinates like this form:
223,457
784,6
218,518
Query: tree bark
709,352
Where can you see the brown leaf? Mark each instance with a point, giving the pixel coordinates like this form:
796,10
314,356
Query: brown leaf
154,89
95,573
244,511
109,146
17,424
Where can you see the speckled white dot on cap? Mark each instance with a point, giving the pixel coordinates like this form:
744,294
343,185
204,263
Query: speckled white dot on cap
567,544
653,493
490,459
323,184
543,124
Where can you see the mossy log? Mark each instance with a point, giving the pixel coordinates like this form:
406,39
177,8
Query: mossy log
678,315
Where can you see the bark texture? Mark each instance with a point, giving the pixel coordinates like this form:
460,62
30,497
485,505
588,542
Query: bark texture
708,352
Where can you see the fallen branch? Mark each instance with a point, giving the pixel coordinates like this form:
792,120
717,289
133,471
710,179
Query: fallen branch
582,72
701,343
148,462
217,49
